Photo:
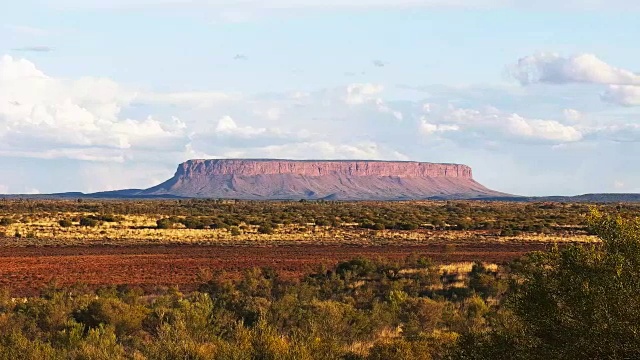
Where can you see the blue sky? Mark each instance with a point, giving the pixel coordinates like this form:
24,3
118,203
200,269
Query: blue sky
538,99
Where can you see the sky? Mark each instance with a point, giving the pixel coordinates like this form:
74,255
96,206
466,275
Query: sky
539,98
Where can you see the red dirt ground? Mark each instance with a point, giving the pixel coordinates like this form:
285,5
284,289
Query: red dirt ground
26,270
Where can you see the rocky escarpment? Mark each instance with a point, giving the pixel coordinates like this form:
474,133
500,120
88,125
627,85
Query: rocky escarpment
342,180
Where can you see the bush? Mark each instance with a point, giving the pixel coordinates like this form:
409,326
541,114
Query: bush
235,231
406,226
89,222
164,224
125,318
65,223
6,221
265,229
378,226
193,223
109,218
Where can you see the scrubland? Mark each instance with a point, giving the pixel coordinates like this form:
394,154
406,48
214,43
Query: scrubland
204,279
50,222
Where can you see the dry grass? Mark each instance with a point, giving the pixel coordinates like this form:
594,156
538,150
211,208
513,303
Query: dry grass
44,229
463,268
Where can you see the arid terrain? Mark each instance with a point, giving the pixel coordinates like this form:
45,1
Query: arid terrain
26,270
152,244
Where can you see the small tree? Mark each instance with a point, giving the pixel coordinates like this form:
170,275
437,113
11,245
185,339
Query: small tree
576,302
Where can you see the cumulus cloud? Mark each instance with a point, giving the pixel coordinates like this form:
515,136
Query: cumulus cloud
553,68
227,126
227,136
623,86
38,113
549,130
428,128
625,95
326,150
357,94
491,124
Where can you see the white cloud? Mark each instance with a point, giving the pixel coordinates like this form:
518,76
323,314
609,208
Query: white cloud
626,95
357,94
385,109
41,116
552,68
227,126
550,130
428,128
491,125
326,150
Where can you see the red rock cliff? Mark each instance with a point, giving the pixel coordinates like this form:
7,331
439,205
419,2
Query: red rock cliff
247,167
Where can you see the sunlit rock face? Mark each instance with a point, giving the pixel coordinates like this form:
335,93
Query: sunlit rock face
321,179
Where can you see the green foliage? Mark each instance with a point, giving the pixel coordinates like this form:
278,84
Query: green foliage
89,221
485,282
166,223
508,219
125,319
5,221
401,350
265,229
65,223
579,301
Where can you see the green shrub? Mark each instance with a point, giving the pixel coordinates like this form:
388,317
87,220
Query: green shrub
265,229
89,222
65,223
165,224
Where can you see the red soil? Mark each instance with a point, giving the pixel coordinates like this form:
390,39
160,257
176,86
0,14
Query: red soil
26,270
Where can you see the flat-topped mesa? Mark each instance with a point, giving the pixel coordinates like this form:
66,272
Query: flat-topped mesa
315,168
262,179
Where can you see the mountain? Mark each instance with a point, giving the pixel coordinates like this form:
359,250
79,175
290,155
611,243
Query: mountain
266,179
